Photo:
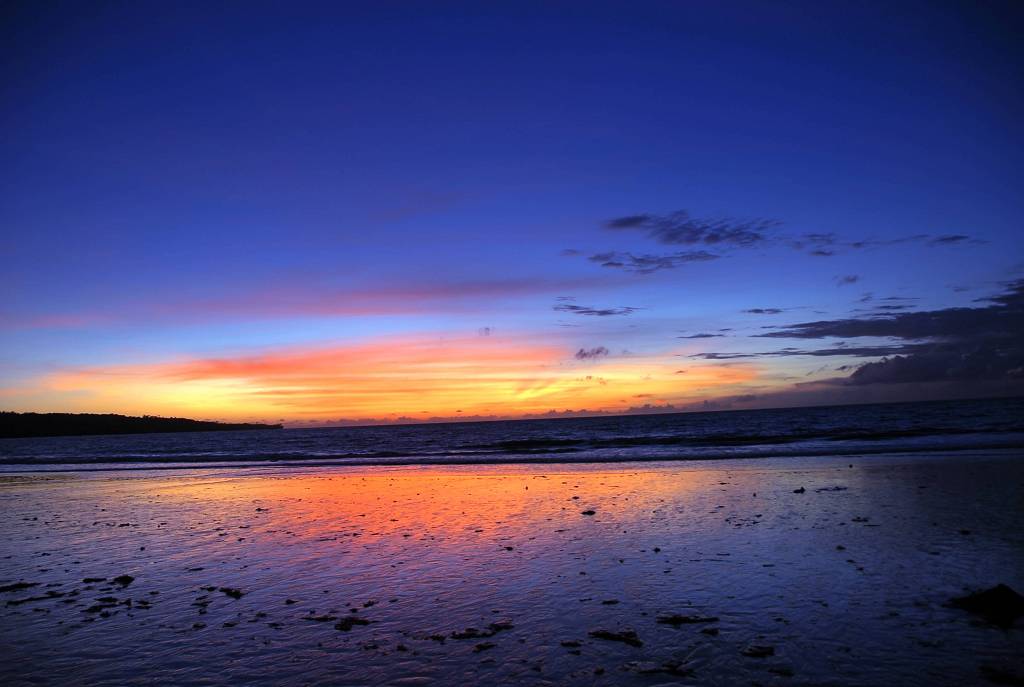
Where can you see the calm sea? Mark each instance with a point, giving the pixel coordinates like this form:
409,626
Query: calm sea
855,430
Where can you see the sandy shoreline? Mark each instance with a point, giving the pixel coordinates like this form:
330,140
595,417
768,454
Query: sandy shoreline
497,575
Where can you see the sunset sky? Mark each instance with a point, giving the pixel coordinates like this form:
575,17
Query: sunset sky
348,213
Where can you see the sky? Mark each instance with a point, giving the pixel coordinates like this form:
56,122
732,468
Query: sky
347,213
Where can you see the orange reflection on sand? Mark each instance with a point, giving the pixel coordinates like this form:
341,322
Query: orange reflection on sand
511,501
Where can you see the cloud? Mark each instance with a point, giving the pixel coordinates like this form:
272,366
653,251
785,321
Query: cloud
963,345
829,244
647,263
949,238
848,351
847,279
591,353
702,335
307,295
1004,317
984,361
870,296
763,311
597,312
890,307
654,409
680,228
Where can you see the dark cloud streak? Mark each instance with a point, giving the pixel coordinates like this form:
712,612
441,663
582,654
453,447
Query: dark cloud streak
680,228
596,312
647,263
966,346
850,351
829,244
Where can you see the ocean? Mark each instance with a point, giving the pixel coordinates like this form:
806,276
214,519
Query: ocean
838,430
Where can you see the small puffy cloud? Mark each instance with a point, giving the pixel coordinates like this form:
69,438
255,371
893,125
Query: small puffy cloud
591,353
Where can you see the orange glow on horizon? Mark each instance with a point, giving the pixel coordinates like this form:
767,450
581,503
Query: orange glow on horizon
393,378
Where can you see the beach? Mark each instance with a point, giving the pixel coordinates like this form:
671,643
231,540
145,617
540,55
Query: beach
511,344
794,570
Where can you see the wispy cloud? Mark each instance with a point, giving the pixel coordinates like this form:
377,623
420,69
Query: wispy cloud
681,228
829,244
849,351
648,263
948,239
596,312
307,297
727,234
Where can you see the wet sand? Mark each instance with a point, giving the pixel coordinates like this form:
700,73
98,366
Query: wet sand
822,571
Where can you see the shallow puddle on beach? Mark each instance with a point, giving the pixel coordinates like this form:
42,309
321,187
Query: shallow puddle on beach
499,575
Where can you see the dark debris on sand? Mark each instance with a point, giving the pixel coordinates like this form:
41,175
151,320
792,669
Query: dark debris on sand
350,621
1002,676
492,629
625,636
677,620
758,651
49,595
18,586
999,605
676,668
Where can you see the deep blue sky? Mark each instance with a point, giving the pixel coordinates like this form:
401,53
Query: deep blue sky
183,181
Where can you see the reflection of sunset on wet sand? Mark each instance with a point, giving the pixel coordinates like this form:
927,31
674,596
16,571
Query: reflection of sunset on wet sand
451,502
510,574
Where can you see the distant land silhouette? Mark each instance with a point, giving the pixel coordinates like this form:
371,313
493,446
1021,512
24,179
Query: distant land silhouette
75,424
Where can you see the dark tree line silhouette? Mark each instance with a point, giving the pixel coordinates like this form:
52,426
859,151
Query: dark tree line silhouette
72,424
